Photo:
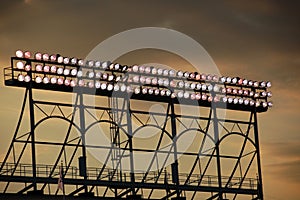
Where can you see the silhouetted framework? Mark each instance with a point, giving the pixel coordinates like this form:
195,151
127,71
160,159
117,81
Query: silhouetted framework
222,161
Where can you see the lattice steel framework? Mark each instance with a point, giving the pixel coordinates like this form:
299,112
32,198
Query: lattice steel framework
221,162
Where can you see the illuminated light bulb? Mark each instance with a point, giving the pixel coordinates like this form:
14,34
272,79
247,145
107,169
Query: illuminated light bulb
186,85
256,84
252,102
81,83
235,100
268,84
203,87
262,84
198,86
240,82
256,95
21,77
245,82
90,63
210,87
180,94
129,89
38,79
186,74
46,80
97,64
223,90
193,86
172,72
204,97
150,91
250,83
148,70
246,92
251,93
173,95
111,77
265,104
142,69
234,80
73,83
53,80
116,88
45,57
192,75
104,76
80,62
117,66
20,65
53,69
198,77
144,90
148,80
193,96
135,68
240,92
209,98
73,61
136,79
125,68
166,72
223,79
168,93
234,91
60,81
228,79
154,71
263,94
53,58
162,92
123,88
270,104
246,102
46,68
257,104
27,78
156,91
91,74
111,66
154,81
216,99
186,95
230,100
209,77
224,99
160,81
38,56
19,54
269,94
142,79
241,101
66,72
159,71
215,78
74,72
27,67
38,68
97,84
198,96
180,84
66,60
216,88
229,90
110,87
172,83
180,74
27,54
60,70
67,82
166,83
60,59
79,73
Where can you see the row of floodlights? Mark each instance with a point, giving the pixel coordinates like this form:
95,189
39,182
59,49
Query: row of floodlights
136,69
148,90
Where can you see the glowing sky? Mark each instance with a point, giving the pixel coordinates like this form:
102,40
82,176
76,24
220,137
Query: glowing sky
259,40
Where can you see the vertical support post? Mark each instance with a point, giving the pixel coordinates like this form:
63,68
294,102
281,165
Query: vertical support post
174,136
259,184
216,137
82,131
129,129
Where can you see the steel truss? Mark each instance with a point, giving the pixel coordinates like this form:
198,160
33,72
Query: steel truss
229,168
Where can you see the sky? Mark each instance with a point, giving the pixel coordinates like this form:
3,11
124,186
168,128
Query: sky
257,39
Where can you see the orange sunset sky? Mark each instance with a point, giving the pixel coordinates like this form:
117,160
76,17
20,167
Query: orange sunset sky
254,39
